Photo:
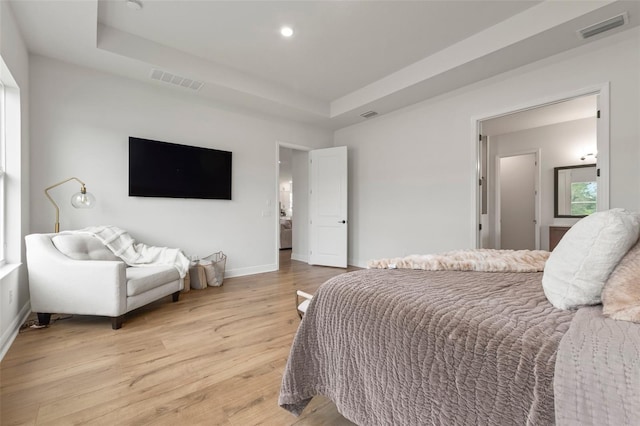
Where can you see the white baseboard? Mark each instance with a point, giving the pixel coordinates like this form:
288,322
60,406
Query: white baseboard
240,272
12,331
300,257
358,263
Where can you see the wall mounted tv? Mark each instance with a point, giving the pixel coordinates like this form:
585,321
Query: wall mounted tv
161,169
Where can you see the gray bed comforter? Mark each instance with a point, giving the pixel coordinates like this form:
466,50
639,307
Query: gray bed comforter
597,377
405,347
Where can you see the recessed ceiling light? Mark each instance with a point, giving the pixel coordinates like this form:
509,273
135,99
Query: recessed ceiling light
134,4
286,31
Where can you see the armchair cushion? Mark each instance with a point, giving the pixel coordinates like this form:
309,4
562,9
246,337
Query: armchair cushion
145,278
82,247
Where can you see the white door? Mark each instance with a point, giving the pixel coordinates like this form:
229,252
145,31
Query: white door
517,202
328,207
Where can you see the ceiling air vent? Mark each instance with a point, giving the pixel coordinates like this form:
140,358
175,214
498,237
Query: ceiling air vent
603,26
176,80
368,114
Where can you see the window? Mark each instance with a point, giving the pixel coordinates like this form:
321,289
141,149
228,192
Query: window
583,198
3,216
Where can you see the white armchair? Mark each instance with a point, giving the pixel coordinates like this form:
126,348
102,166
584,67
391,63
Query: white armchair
77,274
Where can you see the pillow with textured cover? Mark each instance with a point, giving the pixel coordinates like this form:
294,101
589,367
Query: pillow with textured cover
621,293
584,258
82,247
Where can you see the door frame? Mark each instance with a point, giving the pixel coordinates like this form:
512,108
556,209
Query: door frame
497,228
603,144
276,204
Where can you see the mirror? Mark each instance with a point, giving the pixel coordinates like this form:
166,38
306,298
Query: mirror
576,190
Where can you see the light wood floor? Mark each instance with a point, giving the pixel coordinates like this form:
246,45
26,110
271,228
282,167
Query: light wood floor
214,357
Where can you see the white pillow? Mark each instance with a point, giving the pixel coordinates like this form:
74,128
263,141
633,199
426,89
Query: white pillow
581,263
82,247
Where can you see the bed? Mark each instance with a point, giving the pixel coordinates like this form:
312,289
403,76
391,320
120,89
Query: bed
414,347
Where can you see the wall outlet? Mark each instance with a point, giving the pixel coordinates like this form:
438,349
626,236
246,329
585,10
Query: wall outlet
10,297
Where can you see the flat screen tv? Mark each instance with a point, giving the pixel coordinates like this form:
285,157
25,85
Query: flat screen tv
162,169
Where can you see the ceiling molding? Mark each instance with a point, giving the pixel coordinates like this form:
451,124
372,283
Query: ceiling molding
73,32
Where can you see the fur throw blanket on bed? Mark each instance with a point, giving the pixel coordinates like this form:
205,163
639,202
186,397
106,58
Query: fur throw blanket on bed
479,260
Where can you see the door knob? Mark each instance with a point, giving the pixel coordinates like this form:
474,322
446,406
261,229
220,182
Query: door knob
342,221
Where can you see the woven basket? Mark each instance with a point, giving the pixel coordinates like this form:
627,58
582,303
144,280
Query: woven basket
215,272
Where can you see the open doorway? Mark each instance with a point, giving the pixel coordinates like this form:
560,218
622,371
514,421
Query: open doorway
292,203
318,208
285,199
558,133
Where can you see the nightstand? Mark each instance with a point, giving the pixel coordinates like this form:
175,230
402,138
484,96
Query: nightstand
555,235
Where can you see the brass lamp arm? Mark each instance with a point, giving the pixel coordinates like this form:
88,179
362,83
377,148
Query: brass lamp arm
46,192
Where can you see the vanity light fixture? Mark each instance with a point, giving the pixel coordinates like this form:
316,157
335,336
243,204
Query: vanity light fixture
286,31
591,154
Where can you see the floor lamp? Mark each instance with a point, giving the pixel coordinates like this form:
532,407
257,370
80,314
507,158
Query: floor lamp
79,200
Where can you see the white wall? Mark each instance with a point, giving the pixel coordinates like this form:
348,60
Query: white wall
412,172
81,120
14,291
560,144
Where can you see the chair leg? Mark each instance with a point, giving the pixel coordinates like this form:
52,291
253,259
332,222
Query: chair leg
44,318
116,322
176,296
